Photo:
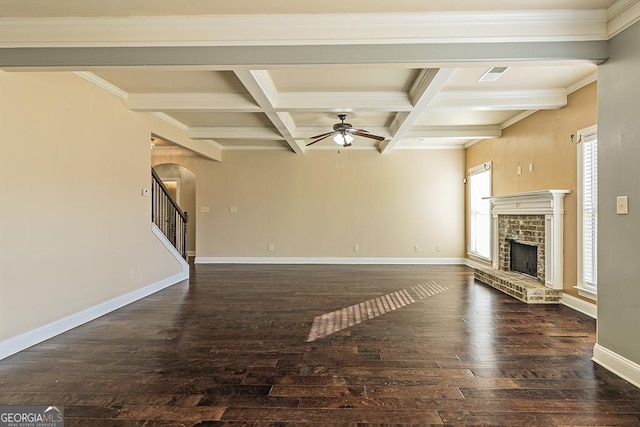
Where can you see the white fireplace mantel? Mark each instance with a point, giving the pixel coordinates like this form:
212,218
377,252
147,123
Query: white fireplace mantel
549,203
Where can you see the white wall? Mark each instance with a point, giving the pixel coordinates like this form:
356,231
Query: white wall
75,231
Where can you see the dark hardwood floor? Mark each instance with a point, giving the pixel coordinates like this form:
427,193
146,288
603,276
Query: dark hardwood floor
325,345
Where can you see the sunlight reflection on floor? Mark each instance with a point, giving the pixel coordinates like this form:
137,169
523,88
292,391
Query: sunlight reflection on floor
343,318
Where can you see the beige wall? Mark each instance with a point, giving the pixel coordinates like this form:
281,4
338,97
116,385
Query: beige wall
75,230
544,140
321,203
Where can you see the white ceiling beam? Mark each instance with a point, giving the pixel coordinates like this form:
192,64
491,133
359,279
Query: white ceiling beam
310,29
487,100
293,102
428,84
416,132
260,57
233,133
192,102
343,101
263,90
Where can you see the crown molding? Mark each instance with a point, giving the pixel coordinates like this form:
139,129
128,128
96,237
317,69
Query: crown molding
101,83
621,15
471,143
245,30
167,118
583,82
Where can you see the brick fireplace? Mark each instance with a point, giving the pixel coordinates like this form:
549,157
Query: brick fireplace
527,229
534,219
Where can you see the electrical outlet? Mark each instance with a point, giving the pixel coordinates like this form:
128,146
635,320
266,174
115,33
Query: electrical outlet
416,248
270,247
356,248
437,248
233,209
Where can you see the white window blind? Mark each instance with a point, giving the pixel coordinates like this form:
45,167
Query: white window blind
590,210
480,211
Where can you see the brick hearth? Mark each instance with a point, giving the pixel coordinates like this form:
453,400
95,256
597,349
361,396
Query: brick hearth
524,288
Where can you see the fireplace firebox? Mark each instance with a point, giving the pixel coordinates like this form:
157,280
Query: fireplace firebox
524,257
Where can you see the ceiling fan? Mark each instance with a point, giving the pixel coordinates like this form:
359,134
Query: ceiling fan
343,133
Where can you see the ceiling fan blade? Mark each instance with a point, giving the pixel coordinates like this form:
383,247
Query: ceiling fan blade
369,135
358,130
327,135
322,135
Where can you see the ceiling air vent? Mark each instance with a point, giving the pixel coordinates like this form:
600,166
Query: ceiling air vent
492,74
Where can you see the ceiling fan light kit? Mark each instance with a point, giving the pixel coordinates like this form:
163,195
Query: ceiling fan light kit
343,133
343,139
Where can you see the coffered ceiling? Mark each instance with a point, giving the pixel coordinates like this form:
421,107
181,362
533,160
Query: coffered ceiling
249,75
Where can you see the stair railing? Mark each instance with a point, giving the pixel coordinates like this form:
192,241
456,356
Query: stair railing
168,216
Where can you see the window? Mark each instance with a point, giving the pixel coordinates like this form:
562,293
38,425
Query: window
480,211
588,212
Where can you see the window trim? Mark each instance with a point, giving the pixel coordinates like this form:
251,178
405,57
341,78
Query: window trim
486,166
583,290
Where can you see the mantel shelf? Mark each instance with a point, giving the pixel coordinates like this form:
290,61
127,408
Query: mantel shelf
529,194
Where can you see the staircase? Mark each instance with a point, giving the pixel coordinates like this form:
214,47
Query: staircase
168,216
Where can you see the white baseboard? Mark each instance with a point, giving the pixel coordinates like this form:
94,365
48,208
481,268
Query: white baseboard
584,307
304,260
167,244
621,366
23,341
475,264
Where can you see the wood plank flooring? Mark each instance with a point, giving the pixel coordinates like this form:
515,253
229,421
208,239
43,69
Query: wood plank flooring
393,346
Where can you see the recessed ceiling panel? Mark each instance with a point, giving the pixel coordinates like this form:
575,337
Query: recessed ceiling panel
447,117
521,77
344,79
230,144
222,119
431,143
162,81
359,119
